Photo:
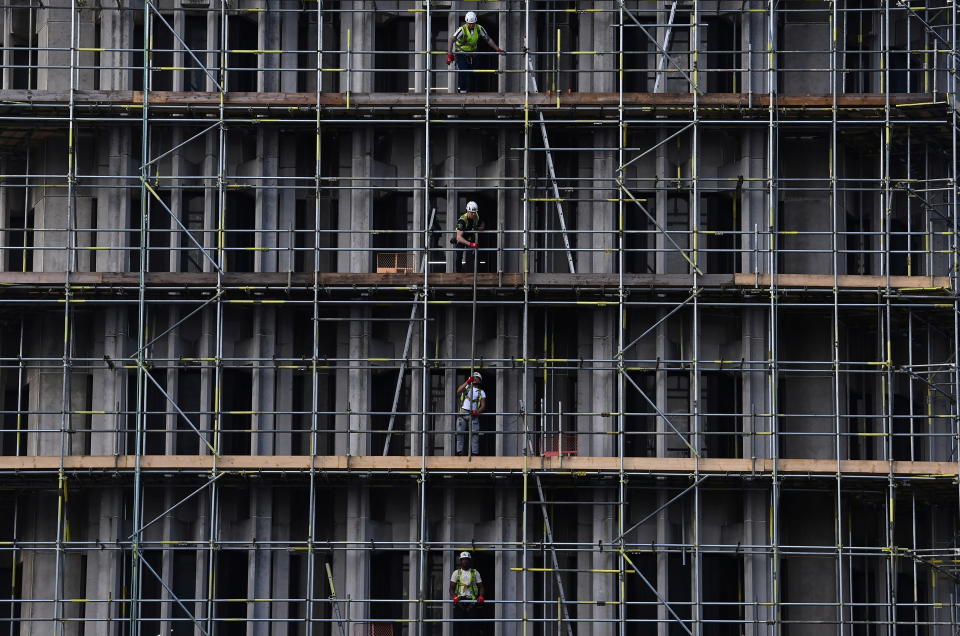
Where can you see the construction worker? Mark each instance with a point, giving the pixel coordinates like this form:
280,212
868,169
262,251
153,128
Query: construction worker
466,589
473,401
464,41
466,238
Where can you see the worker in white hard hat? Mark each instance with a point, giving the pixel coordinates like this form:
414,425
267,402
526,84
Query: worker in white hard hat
473,402
466,237
466,589
462,47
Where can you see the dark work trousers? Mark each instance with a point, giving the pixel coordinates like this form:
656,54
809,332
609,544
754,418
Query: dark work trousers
465,75
463,258
467,610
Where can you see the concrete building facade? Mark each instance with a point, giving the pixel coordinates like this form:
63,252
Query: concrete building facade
714,305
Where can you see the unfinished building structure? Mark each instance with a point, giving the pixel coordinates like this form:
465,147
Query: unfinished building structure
715,310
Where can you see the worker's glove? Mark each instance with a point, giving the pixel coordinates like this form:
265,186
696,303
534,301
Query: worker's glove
500,51
480,600
474,413
456,599
473,245
449,59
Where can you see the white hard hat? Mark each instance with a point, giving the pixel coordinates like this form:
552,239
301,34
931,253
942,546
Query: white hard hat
472,205
471,17
464,555
477,375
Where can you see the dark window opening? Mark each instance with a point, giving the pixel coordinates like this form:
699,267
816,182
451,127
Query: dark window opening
722,402
241,231
135,60
242,76
158,241
155,417
392,41
192,212
184,582
391,219
679,582
231,584
307,45
860,42
150,591
639,236
24,47
722,594
237,395
639,58
383,388
188,399
196,38
640,420
161,54
20,238
861,405
642,603
384,587
92,234
723,35
722,241
859,243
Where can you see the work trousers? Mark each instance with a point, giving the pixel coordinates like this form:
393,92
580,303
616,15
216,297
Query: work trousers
463,259
466,78
462,420
467,610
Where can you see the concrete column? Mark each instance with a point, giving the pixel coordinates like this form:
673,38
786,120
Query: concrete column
258,583
286,212
755,387
39,568
264,380
280,578
356,205
54,32
754,30
353,387
508,530
359,79
757,586
604,383
588,444
352,567
604,586
113,201
754,202
664,536
509,389
116,28
283,385
267,203
597,33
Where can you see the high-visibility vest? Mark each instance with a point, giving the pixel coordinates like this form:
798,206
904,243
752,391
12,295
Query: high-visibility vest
467,38
470,587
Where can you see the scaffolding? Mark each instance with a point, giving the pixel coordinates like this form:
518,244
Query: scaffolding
714,303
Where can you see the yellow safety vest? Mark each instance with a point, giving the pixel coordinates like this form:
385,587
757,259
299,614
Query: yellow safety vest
467,585
468,38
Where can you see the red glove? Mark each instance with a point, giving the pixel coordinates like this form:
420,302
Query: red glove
473,245
480,599
474,413
449,62
456,599
500,51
